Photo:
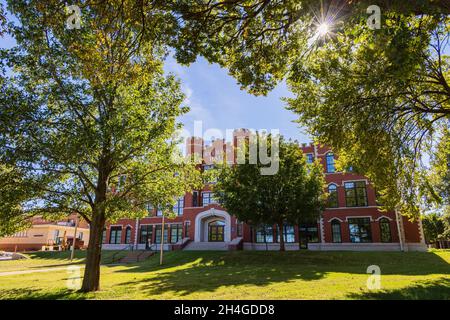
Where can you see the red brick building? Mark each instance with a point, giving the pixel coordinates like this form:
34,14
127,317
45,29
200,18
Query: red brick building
352,220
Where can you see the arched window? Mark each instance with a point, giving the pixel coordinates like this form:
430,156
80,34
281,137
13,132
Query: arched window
336,231
128,235
330,162
385,230
332,196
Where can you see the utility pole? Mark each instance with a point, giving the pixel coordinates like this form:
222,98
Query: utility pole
162,242
74,240
401,231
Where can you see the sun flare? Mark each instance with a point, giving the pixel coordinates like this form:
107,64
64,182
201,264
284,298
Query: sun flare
323,29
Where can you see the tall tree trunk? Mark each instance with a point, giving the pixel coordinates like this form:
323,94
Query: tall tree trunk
91,280
280,227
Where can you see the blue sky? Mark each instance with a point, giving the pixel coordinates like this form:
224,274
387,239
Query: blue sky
216,99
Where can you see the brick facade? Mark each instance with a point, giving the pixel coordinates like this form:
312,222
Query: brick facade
196,218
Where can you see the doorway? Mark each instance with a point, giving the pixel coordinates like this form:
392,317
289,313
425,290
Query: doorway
216,231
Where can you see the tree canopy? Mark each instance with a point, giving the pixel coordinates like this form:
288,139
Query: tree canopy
378,97
436,226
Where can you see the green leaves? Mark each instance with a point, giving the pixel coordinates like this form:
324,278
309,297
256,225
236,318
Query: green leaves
293,194
87,107
377,99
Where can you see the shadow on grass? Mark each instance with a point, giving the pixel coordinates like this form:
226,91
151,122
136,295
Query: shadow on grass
38,294
438,289
185,273
80,256
56,255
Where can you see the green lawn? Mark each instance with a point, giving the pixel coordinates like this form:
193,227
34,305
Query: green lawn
50,259
243,275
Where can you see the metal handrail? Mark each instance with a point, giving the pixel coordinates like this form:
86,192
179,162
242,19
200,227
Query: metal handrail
149,249
129,247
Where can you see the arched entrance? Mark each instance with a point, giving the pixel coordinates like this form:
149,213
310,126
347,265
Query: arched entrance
213,226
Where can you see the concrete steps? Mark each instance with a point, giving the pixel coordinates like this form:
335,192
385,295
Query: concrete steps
220,246
136,256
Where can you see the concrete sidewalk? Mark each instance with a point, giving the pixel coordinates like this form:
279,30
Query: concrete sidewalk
12,273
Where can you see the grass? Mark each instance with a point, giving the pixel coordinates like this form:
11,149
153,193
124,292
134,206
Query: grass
243,275
49,259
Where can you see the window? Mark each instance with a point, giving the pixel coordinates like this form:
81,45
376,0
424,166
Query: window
146,234
128,235
309,158
207,167
355,194
176,233
288,233
20,234
385,230
178,207
159,212
195,199
158,229
80,235
56,238
238,229
208,198
149,208
332,196
264,233
336,231
115,235
310,232
330,162
359,230
186,229
104,236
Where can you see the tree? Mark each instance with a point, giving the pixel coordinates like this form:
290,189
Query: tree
433,227
14,191
438,175
436,191
260,40
295,193
379,100
2,19
87,118
446,220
